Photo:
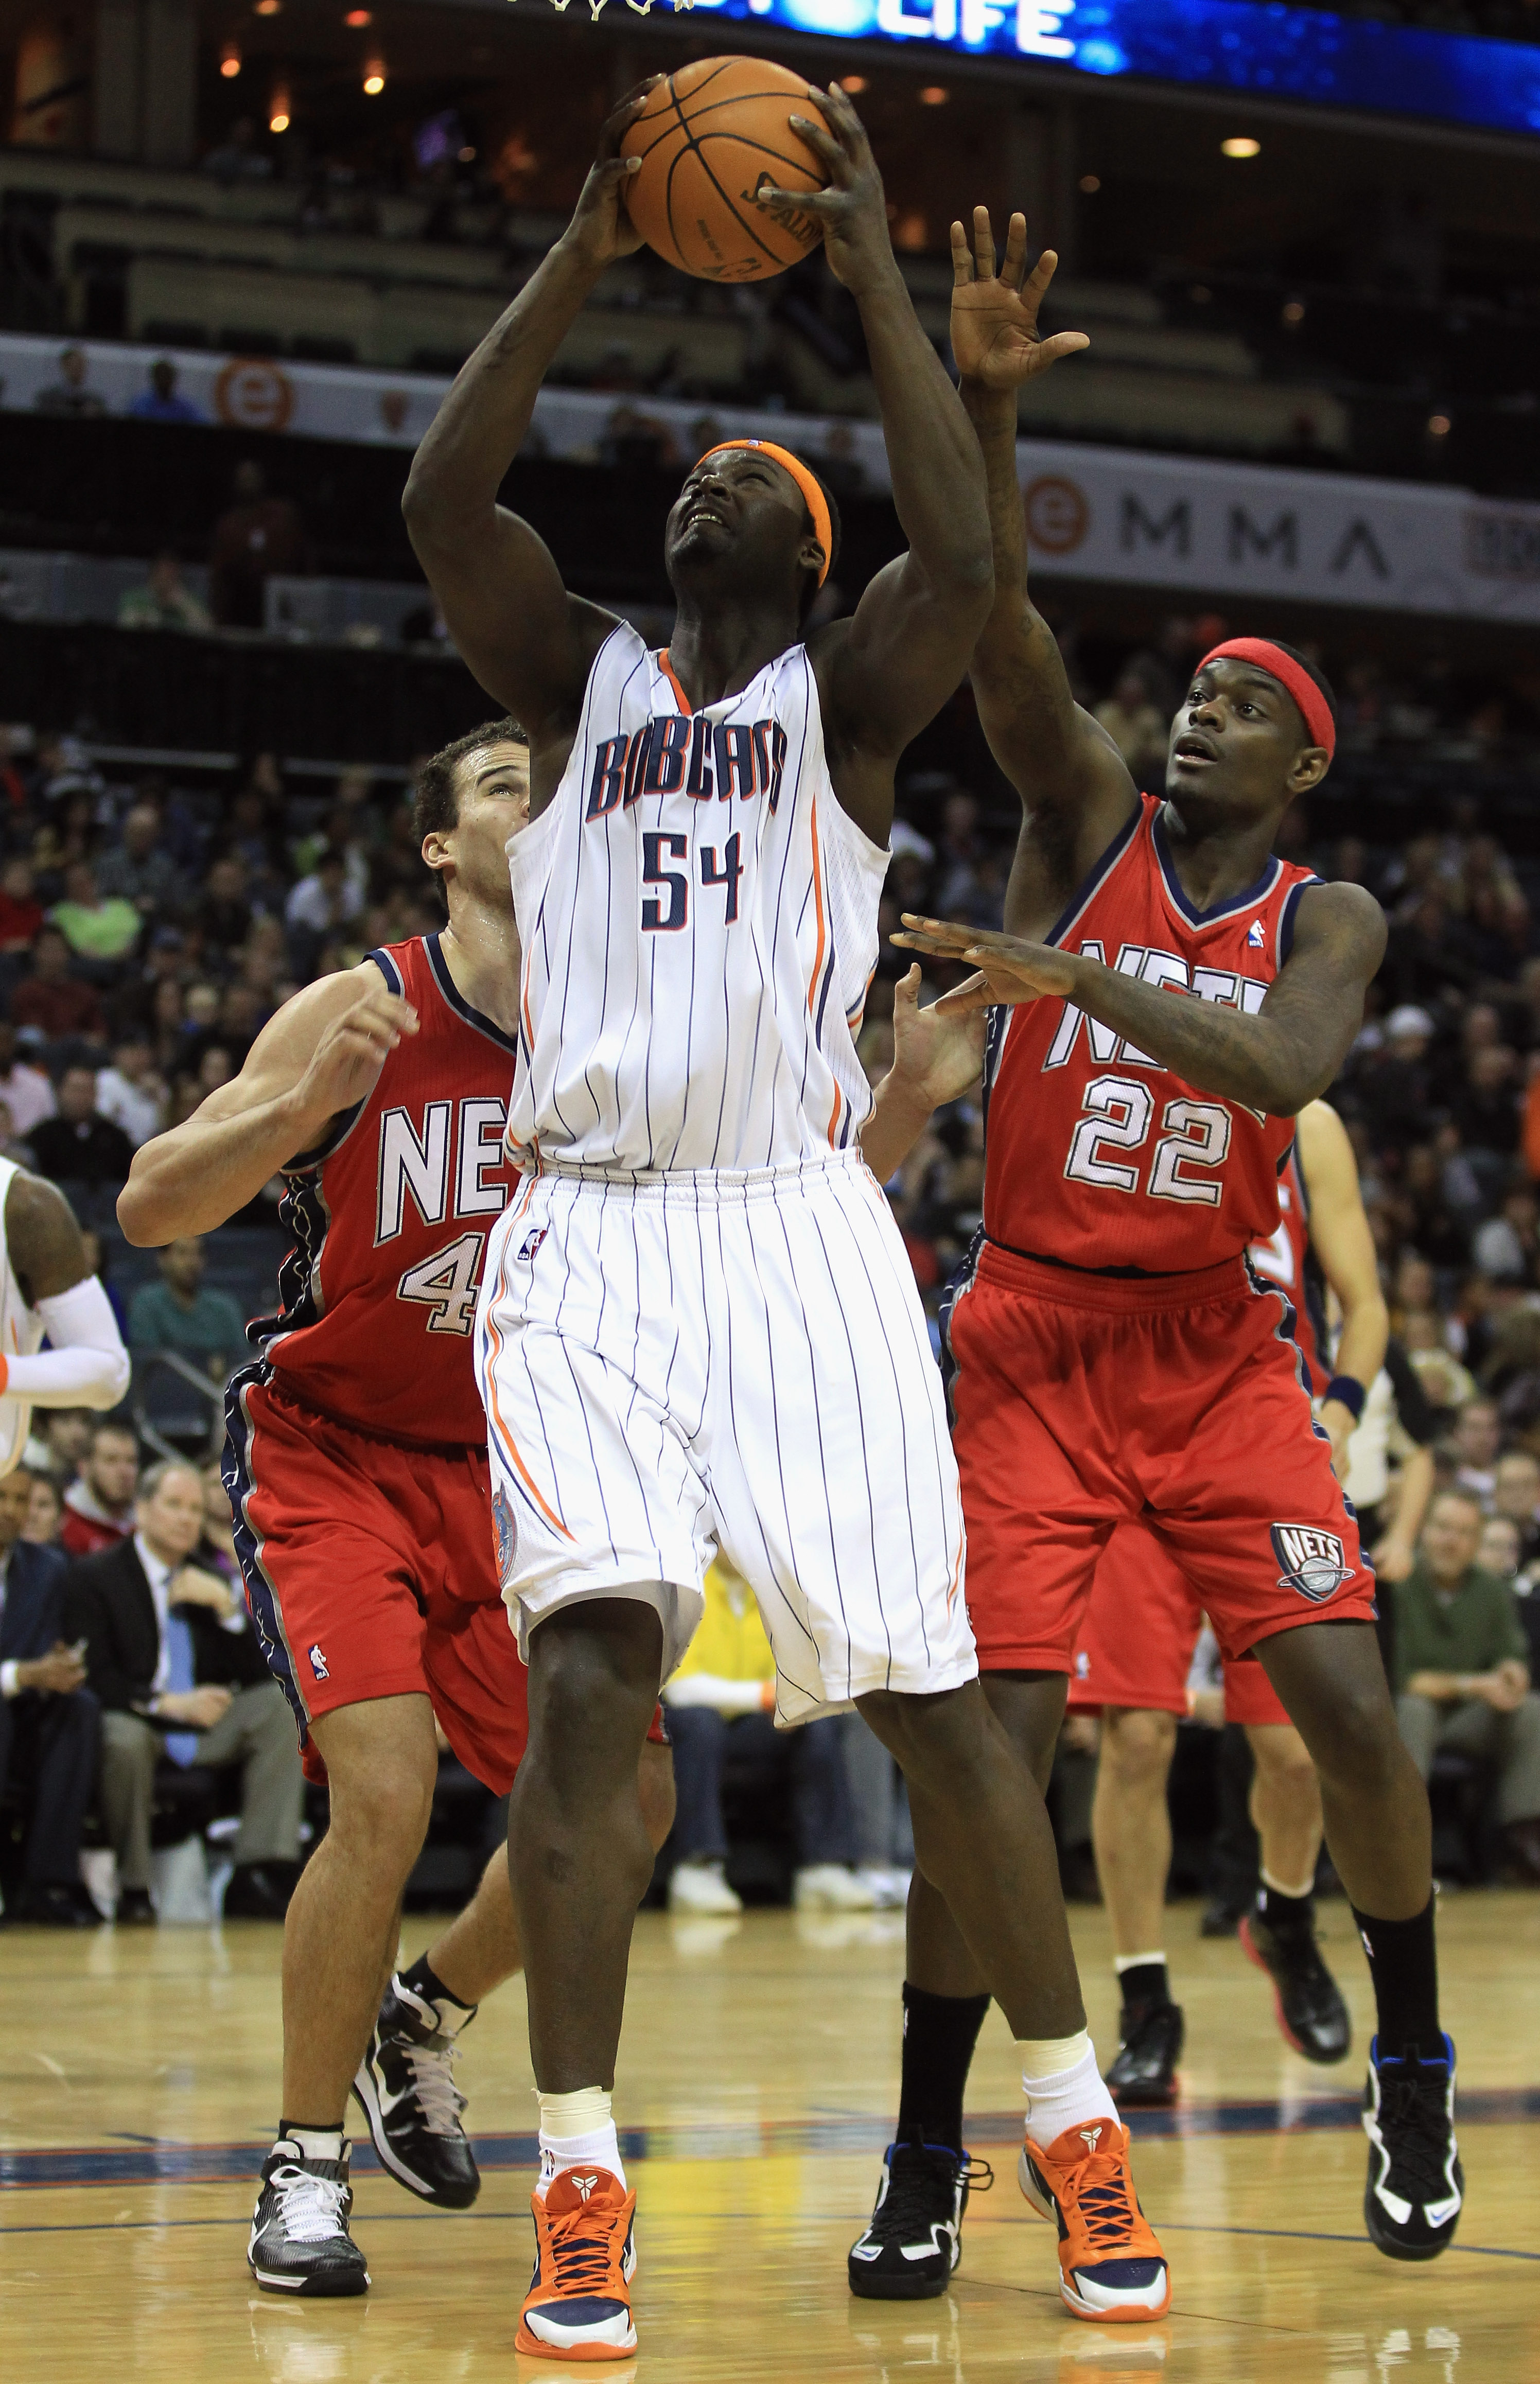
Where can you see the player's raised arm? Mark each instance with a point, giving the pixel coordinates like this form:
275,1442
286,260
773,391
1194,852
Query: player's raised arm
1343,1243
528,642
887,671
317,1057
1056,756
1275,1061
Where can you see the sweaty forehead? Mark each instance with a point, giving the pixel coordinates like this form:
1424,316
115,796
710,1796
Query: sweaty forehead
504,760
1232,674
736,462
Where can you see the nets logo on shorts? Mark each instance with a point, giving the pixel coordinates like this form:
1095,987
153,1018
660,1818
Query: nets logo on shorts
1313,1560
506,1527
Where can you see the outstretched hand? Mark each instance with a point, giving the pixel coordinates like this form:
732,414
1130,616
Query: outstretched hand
1010,969
937,1054
994,315
851,207
601,227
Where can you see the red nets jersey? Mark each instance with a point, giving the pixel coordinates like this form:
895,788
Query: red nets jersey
1287,1259
390,1221
1097,1155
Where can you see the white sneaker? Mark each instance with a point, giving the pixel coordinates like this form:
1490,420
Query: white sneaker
699,1887
890,1888
831,1887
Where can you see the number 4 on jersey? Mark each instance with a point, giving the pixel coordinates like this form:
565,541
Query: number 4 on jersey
667,913
447,1284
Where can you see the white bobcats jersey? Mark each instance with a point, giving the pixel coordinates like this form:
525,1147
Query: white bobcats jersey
699,922
21,1334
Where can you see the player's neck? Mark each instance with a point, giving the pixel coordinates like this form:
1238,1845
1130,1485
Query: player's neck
480,949
719,645
1215,854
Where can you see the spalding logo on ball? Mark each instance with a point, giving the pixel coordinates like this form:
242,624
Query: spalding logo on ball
709,138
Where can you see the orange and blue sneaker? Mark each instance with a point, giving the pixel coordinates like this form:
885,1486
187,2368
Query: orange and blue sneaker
578,2306
1112,2268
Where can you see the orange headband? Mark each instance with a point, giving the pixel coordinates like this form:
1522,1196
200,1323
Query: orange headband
817,503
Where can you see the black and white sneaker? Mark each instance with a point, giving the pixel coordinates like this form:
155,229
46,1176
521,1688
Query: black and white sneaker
914,2240
1416,2187
299,2239
405,2084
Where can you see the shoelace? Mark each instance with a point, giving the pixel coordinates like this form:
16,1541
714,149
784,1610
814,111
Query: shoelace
1098,2188
1413,2112
579,2254
311,2209
913,2174
440,2102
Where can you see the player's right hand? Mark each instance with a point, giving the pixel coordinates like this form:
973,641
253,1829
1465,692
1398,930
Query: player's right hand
995,337
600,230
344,1067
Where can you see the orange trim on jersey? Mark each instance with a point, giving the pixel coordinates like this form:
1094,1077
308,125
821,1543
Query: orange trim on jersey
504,1436
819,955
666,667
957,1567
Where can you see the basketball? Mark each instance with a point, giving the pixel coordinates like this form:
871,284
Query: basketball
709,136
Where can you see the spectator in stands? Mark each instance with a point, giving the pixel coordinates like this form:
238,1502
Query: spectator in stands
321,906
721,1703
1516,1498
27,1093
174,1679
130,1094
44,1513
12,1147
1462,1674
1474,1444
162,401
52,1001
1137,727
101,929
138,868
79,1146
68,396
48,1720
20,911
258,539
165,602
222,915
98,1505
63,1436
179,1313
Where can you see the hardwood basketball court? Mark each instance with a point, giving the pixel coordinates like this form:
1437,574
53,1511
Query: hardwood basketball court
758,2077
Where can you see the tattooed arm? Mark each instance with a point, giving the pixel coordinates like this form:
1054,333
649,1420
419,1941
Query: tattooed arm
1277,1061
528,642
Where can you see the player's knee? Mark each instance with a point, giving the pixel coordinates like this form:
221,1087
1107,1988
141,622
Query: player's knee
1355,1740
1136,1748
1282,1758
384,1807
587,1681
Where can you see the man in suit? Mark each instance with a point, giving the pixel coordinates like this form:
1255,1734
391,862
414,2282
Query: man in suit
178,1676
47,1719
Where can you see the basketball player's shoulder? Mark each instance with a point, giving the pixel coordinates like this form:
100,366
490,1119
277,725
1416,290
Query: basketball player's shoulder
1342,922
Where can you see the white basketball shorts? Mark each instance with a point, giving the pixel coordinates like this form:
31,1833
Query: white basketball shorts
733,1360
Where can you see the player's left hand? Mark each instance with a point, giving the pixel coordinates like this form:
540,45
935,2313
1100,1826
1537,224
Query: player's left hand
1339,1423
995,337
1010,969
851,206
937,1054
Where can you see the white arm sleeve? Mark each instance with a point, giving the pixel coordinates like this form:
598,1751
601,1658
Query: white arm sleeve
87,1367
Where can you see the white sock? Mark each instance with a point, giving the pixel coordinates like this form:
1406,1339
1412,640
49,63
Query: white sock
575,2130
1062,2085
316,2143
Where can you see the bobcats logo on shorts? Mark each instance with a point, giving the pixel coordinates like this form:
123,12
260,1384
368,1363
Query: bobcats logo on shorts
506,1527
1313,1560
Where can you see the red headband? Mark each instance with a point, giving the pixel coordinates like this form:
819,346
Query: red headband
1315,710
817,503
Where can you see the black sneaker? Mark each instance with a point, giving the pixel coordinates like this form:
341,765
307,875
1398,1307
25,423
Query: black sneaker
299,2241
914,2240
1412,2203
1151,2047
405,2083
1311,2014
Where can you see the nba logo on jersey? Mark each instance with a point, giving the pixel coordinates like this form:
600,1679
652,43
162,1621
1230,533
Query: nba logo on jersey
531,1242
318,1662
1256,935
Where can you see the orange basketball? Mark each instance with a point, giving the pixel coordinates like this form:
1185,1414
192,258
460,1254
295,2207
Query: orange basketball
709,136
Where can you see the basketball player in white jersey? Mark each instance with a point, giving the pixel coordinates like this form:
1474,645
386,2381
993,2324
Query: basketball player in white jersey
47,1290
698,1325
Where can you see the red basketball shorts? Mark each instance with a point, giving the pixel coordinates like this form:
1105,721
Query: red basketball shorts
1136,1645
370,1571
1081,1402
